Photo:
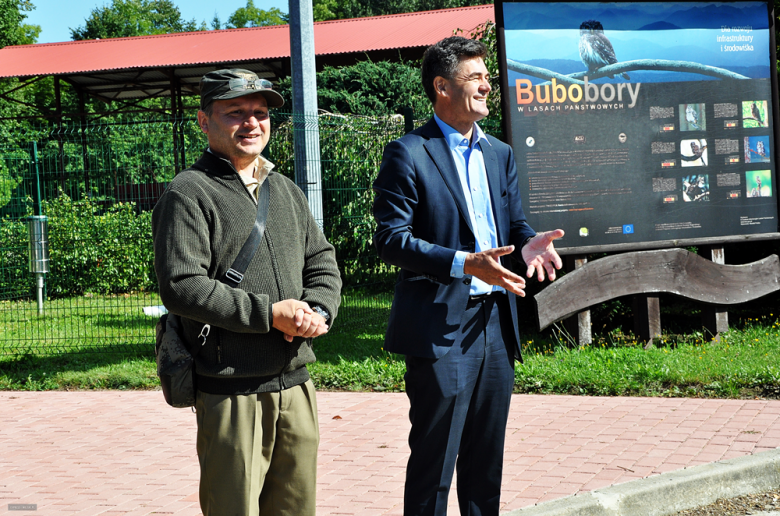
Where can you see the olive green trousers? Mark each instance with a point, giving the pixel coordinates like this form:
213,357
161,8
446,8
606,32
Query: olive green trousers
258,453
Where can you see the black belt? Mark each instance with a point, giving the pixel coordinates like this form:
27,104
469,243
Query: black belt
484,297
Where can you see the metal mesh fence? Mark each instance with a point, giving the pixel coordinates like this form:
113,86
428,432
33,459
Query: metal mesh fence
97,185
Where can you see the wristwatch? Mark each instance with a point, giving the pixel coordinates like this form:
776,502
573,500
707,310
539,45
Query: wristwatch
324,313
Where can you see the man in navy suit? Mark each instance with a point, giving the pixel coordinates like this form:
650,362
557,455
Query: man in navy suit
448,214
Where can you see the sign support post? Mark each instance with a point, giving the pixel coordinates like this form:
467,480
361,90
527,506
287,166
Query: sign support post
578,325
715,319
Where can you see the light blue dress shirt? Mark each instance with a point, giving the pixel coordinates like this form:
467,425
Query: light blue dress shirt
473,179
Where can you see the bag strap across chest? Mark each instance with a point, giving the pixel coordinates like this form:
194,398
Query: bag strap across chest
235,273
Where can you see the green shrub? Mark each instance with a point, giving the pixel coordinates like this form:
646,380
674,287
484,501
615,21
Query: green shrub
15,281
98,250
91,249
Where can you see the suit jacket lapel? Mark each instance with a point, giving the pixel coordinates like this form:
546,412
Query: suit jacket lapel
440,154
494,183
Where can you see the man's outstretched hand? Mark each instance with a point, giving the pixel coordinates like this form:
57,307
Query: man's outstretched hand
539,255
485,266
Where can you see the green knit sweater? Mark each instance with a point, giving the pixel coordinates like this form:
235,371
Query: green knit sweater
199,225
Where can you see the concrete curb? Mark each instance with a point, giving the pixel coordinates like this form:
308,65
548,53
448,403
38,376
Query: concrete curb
670,492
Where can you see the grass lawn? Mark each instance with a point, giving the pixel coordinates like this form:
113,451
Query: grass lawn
743,364
90,322
87,342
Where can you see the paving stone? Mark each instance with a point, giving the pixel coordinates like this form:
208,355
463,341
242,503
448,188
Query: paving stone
111,452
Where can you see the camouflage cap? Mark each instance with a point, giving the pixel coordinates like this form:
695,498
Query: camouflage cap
235,82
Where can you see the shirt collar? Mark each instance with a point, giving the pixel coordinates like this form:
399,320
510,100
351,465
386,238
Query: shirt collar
263,167
454,138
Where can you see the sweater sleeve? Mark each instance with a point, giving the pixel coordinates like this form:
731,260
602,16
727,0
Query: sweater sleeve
182,257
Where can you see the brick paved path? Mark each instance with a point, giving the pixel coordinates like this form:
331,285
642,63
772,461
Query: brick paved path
127,453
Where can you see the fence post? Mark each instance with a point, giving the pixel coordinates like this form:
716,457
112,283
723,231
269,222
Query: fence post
34,157
39,274
306,130
408,120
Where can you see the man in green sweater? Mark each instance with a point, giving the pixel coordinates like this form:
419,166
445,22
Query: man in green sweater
256,408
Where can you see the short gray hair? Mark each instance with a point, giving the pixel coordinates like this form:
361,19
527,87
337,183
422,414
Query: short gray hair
443,59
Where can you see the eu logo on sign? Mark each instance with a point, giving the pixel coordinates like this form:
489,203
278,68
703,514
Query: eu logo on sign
628,229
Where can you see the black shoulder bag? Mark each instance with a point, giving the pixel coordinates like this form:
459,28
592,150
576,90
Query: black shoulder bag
175,361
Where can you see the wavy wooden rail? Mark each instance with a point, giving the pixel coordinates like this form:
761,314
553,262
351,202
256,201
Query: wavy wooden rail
675,271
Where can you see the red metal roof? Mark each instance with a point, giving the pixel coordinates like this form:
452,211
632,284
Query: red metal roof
237,45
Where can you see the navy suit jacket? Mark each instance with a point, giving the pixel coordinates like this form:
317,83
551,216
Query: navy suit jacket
422,220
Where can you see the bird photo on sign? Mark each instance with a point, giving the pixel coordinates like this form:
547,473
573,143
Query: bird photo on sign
595,48
692,117
758,183
696,188
757,149
693,153
754,114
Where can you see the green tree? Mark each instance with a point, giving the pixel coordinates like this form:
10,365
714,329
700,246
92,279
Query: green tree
367,88
362,8
324,10
251,16
777,32
216,23
12,29
124,18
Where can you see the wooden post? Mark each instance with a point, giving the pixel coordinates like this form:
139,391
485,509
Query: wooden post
578,325
715,318
647,317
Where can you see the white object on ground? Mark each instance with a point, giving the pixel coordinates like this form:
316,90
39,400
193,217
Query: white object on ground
155,311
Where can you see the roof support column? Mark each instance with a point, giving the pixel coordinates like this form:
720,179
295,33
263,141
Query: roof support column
182,142
306,131
175,127
84,152
60,145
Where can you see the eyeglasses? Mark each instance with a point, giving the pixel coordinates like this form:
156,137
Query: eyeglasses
243,84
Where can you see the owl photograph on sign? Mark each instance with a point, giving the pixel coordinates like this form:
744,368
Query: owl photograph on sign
758,183
696,188
754,114
693,153
757,149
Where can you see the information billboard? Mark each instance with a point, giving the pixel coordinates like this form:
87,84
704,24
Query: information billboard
638,125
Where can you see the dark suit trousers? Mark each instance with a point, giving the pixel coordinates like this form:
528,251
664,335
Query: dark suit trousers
459,409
